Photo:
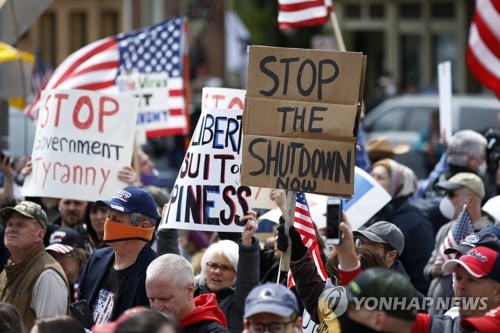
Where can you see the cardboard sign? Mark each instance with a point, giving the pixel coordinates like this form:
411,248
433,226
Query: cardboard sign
369,197
161,102
261,198
301,112
207,194
83,139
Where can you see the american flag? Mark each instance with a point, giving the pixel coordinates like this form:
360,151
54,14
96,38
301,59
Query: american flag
303,224
462,228
303,13
483,51
42,72
155,49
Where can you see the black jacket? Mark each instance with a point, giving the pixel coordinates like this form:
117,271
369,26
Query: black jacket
419,238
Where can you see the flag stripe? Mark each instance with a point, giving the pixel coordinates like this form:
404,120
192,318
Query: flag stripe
483,40
489,12
302,13
483,47
304,226
96,85
176,112
80,57
483,73
295,5
99,66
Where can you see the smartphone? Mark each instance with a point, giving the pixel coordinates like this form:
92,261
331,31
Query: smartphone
333,219
81,311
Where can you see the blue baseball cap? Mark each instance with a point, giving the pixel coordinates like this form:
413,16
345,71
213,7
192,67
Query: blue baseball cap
492,229
271,298
132,199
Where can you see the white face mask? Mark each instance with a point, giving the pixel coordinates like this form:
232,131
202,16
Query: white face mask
482,169
446,208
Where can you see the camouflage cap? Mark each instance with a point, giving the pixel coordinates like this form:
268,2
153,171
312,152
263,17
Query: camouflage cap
28,209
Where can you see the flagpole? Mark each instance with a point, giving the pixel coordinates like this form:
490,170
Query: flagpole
291,198
187,86
337,32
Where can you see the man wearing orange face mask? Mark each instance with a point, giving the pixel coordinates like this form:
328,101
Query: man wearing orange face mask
113,280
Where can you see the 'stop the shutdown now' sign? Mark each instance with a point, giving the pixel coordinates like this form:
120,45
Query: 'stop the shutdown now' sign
300,119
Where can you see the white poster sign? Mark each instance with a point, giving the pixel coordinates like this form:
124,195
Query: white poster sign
445,116
83,139
207,194
161,102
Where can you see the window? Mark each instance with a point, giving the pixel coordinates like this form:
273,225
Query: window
417,118
377,10
443,10
476,118
410,62
78,28
389,121
48,36
410,10
109,24
353,10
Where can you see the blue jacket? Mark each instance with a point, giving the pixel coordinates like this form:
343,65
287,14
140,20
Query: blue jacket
96,269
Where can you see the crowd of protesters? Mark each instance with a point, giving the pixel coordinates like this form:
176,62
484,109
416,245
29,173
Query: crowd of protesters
76,266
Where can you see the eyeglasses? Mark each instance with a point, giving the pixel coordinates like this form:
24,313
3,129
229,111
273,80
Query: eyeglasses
223,268
361,240
452,194
271,327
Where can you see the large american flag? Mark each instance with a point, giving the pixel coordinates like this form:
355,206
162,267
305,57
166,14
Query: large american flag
483,51
155,49
303,224
303,13
462,228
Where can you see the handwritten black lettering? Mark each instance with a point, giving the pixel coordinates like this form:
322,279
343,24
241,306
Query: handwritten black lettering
319,75
277,158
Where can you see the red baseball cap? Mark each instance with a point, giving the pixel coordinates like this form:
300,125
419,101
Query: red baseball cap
489,323
110,327
479,262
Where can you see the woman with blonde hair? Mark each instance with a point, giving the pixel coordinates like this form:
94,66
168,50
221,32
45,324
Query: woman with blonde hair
230,270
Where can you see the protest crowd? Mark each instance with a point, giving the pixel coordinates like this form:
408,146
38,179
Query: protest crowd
105,266
95,244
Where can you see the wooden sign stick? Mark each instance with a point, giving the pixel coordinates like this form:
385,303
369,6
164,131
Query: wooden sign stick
291,197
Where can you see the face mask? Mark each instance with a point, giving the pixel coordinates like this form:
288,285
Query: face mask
114,231
446,208
148,178
482,169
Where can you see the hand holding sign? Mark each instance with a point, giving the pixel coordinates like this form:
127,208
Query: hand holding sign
250,228
279,196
